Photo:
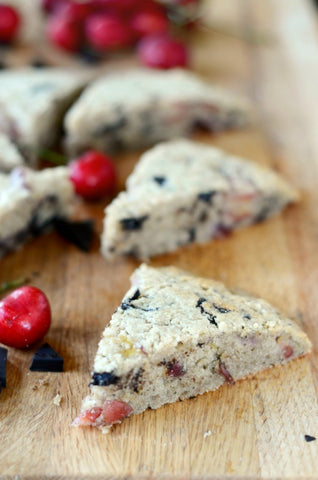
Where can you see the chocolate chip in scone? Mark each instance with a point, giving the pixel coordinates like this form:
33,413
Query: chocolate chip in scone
46,359
247,316
206,196
203,217
221,309
309,438
135,381
192,234
38,63
3,367
160,180
210,316
117,124
104,379
135,295
133,223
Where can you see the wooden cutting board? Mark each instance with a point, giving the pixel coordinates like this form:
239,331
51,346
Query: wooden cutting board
256,428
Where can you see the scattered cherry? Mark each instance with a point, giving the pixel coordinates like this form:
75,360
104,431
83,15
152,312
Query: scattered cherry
106,31
9,23
93,175
25,317
162,51
148,23
64,33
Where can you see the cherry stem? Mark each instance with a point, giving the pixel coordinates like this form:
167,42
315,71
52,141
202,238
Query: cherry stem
5,286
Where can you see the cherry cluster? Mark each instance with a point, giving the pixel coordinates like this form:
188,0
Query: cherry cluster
104,26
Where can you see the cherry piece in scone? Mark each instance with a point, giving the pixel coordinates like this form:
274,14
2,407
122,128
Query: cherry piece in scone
162,51
93,175
9,23
104,31
74,11
25,317
63,33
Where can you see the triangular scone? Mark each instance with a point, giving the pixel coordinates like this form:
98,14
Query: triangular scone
142,107
175,336
32,105
30,201
183,191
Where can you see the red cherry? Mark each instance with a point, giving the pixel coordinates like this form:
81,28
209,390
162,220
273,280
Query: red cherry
107,32
50,6
74,11
162,51
63,33
25,317
149,22
93,175
9,23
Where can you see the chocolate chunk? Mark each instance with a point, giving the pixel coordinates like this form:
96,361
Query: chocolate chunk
133,223
46,359
104,379
206,196
309,438
247,316
210,316
117,124
3,367
89,56
38,63
192,234
135,295
80,233
160,180
135,381
220,309
203,217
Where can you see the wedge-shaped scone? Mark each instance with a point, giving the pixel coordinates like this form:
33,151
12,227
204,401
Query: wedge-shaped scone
10,156
176,336
142,107
30,201
183,191
32,105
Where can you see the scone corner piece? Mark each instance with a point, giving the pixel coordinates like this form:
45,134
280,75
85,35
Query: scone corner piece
175,336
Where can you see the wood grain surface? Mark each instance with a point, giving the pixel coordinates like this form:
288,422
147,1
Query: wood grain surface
256,428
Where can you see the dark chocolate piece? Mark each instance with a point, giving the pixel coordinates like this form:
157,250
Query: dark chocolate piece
135,381
159,180
206,196
133,223
46,359
247,316
210,316
104,379
221,309
38,63
3,367
309,438
135,295
192,234
117,124
80,233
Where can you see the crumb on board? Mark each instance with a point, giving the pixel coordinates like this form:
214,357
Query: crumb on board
207,434
57,400
41,382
